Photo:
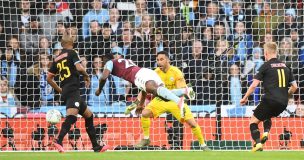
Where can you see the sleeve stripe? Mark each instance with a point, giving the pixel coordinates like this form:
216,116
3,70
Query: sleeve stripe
77,62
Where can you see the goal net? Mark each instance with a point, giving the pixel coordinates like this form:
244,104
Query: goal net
218,46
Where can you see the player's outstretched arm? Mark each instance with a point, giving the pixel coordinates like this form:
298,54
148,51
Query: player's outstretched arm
102,81
82,71
293,88
50,80
250,90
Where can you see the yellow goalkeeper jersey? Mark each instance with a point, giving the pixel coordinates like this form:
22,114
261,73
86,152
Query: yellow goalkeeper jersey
173,78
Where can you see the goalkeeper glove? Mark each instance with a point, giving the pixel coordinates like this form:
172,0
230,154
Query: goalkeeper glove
131,107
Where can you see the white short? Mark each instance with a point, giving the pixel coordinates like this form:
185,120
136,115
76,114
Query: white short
144,75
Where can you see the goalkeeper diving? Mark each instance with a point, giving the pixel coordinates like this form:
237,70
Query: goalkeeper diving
174,80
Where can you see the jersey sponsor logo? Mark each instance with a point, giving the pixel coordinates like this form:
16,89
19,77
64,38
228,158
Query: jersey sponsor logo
278,65
61,56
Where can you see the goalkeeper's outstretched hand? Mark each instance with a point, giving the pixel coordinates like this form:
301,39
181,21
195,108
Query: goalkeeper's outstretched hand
131,107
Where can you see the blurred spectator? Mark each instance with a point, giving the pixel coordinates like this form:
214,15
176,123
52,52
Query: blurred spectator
205,34
2,38
29,41
171,26
114,21
266,22
289,23
45,45
104,98
253,9
155,7
62,7
187,39
132,46
187,12
226,7
236,16
39,72
6,98
141,9
57,50
145,32
48,19
159,43
266,38
9,67
14,43
84,92
96,13
235,90
197,61
212,16
60,30
244,48
92,43
205,89
229,57
235,86
20,22
219,31
288,54
253,64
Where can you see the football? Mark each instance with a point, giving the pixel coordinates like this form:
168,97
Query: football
53,116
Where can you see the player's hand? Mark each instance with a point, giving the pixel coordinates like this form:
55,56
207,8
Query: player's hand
97,92
243,101
139,109
87,81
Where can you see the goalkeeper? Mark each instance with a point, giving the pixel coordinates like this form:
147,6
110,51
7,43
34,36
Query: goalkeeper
173,79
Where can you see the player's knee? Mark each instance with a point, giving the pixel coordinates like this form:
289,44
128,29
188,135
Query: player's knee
191,123
146,113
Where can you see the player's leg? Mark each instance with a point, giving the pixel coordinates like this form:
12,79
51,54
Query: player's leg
145,124
90,129
255,133
153,109
159,90
267,126
189,119
70,119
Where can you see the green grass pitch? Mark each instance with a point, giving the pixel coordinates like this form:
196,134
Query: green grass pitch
156,155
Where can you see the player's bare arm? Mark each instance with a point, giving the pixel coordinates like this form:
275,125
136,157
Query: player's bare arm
250,90
293,88
102,81
50,80
82,71
141,98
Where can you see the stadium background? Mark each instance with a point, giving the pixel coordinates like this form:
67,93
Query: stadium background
195,33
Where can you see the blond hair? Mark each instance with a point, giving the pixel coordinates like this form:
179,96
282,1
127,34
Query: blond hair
271,47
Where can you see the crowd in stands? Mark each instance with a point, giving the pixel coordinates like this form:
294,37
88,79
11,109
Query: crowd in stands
196,34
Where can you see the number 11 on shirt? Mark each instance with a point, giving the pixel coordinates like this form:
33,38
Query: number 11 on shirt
281,76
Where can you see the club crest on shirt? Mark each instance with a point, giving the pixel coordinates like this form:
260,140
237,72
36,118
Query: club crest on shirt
77,104
171,78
